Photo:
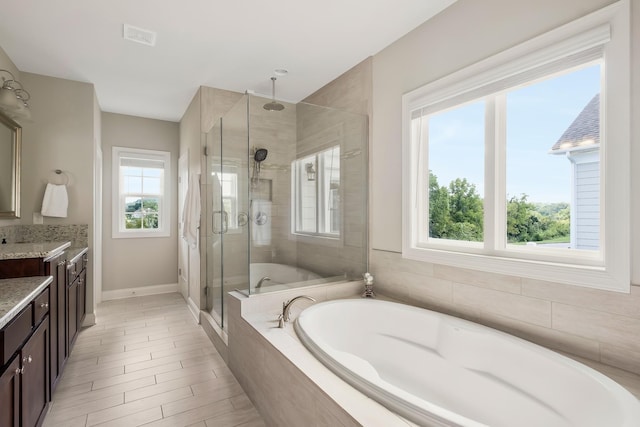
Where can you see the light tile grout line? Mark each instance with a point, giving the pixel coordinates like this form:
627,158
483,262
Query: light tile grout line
165,323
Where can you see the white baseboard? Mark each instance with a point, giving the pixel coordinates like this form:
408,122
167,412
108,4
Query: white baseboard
195,310
141,291
89,319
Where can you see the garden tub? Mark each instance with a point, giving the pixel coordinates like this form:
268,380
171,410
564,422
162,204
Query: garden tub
438,370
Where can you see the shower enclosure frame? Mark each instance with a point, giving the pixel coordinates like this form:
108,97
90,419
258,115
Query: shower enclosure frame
232,147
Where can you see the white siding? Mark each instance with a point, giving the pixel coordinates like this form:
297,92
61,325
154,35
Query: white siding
586,211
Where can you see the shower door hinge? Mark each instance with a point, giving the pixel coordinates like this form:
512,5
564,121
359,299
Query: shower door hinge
206,151
179,272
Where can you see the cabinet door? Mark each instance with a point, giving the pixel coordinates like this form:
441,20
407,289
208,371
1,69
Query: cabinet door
10,395
50,269
72,314
61,273
82,292
35,376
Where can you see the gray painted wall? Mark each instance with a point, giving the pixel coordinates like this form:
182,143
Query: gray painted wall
138,262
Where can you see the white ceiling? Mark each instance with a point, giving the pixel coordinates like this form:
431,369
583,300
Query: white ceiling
232,44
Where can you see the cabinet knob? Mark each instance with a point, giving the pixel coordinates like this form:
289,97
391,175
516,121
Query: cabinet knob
27,359
44,305
63,262
19,371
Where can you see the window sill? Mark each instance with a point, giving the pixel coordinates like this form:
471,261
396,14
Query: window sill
140,234
590,276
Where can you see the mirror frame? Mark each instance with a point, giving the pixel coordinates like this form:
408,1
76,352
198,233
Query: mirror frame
16,132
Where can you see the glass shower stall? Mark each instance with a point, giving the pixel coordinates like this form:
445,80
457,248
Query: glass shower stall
285,200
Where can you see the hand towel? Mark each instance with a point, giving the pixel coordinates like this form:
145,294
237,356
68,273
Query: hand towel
55,201
191,212
261,224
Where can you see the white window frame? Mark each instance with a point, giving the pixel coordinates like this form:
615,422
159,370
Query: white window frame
604,34
322,208
118,229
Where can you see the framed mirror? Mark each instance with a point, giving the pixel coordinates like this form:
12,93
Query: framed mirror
10,149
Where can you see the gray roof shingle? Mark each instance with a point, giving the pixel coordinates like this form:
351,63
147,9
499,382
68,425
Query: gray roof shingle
584,131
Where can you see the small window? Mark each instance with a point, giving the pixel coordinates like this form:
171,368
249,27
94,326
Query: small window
316,195
141,202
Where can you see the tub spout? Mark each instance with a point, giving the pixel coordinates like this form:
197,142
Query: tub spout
286,307
262,280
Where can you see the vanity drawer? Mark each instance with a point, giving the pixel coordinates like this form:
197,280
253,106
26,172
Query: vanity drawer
14,333
40,306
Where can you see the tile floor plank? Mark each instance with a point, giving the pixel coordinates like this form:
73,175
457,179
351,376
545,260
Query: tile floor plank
148,363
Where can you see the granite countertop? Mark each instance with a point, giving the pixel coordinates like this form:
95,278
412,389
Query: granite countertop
15,294
74,253
31,250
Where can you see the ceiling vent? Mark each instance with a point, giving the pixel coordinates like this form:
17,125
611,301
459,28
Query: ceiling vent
139,35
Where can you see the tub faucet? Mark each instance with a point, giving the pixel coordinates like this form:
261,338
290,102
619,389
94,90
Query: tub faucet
368,286
286,307
264,279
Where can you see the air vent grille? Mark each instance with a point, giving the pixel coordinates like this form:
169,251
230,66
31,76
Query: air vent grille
139,35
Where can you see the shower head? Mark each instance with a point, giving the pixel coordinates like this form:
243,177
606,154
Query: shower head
273,105
260,154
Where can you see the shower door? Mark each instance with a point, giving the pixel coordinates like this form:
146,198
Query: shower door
213,221
227,209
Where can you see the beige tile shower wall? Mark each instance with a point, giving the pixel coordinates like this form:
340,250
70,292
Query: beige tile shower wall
321,128
599,325
275,131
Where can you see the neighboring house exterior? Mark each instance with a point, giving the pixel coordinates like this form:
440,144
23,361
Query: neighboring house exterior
581,144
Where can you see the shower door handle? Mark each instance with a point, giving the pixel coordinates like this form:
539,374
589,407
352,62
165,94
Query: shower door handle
224,220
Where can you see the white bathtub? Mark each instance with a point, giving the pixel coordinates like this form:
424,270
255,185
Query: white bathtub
438,370
282,276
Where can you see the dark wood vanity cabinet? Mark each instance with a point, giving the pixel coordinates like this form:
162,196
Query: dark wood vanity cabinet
24,379
76,297
34,393
57,268
10,394
36,343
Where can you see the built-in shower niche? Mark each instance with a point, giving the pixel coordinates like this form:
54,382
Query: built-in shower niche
286,202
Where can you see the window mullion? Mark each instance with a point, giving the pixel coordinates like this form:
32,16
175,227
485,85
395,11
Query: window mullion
500,177
491,175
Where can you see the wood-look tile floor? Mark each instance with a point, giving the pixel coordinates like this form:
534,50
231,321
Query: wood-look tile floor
147,362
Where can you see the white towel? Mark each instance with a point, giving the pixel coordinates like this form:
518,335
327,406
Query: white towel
261,224
191,212
55,201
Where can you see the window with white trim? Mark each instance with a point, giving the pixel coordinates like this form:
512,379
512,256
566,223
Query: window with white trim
316,194
141,183
520,164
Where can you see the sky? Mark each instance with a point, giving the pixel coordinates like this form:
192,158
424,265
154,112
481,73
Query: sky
537,116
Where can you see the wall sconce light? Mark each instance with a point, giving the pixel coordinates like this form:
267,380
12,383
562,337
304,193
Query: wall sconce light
14,99
311,172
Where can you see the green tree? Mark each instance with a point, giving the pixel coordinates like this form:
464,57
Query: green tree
456,211
521,220
466,210
438,208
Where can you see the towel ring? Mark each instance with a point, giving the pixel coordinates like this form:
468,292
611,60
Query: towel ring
66,177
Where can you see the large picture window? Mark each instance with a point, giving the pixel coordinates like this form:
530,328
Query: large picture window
520,164
141,202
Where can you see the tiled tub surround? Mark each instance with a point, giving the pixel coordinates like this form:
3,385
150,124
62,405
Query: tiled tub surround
15,294
32,250
77,234
285,382
290,387
592,324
